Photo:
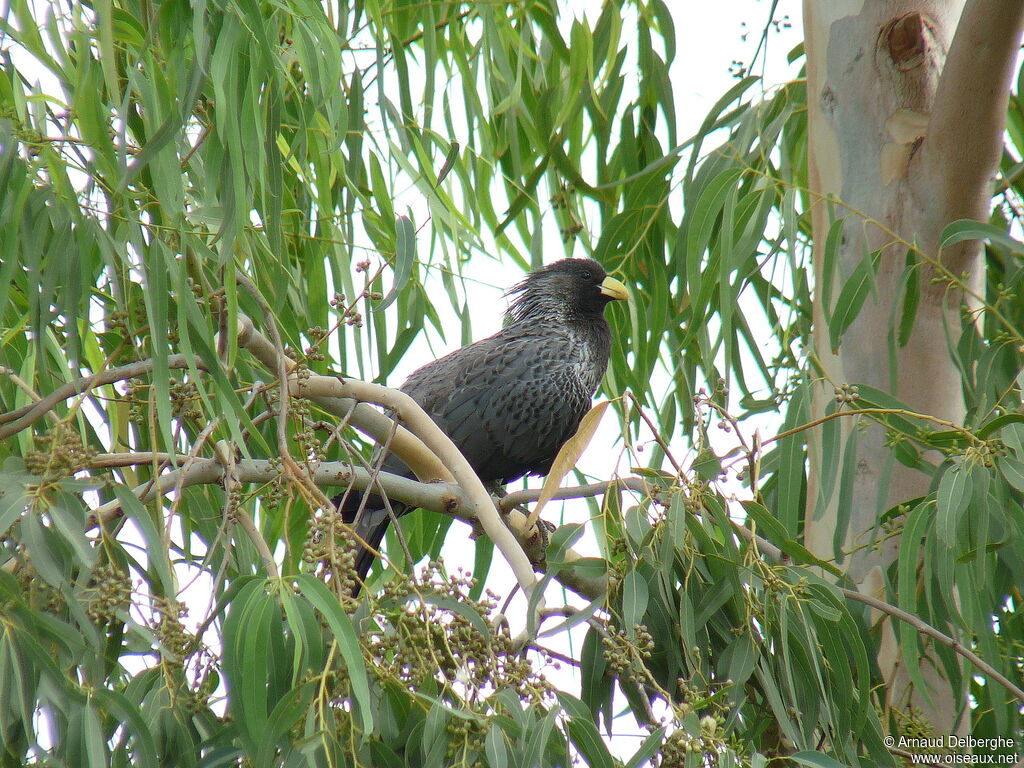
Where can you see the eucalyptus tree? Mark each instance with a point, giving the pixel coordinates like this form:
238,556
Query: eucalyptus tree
208,211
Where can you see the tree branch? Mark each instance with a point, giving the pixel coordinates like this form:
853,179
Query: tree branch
440,497
514,499
965,133
416,419
283,368
927,629
409,448
348,397
24,417
226,456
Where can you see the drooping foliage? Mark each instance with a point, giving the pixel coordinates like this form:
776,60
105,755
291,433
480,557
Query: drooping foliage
334,172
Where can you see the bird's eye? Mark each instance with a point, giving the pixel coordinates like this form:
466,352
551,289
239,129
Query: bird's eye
588,275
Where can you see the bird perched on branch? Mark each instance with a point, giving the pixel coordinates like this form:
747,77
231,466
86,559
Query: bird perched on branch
510,401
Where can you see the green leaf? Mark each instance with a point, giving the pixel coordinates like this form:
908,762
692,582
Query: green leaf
13,500
71,527
584,734
495,747
595,685
830,260
857,287
345,635
483,556
130,717
954,494
634,600
911,280
739,660
998,423
792,461
254,646
648,748
405,258
283,716
135,512
707,464
767,525
95,744
816,760
967,229
916,528
563,538
47,557
707,209
578,617
467,612
1013,470
384,756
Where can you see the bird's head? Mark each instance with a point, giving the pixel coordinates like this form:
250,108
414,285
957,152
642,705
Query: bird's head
566,288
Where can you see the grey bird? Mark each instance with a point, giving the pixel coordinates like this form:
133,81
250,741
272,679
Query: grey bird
510,401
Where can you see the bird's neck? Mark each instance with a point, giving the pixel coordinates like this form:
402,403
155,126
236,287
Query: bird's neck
590,338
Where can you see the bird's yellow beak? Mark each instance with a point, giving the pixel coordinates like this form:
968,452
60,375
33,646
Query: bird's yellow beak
613,288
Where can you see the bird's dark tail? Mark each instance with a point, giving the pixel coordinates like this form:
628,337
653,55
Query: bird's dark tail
369,524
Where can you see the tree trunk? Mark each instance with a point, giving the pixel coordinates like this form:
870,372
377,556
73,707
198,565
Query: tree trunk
906,109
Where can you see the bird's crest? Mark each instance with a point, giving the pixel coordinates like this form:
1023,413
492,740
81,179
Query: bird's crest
527,301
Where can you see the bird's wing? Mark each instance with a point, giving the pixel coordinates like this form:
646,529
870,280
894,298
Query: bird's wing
508,402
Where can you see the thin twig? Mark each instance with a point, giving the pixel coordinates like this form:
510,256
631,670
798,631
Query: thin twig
873,412
283,368
21,418
514,499
657,435
554,654
927,629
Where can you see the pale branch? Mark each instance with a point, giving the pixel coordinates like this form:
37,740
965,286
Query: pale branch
350,397
416,419
226,456
283,367
514,499
135,459
362,416
21,418
325,390
964,139
440,497
925,628
443,498
320,389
